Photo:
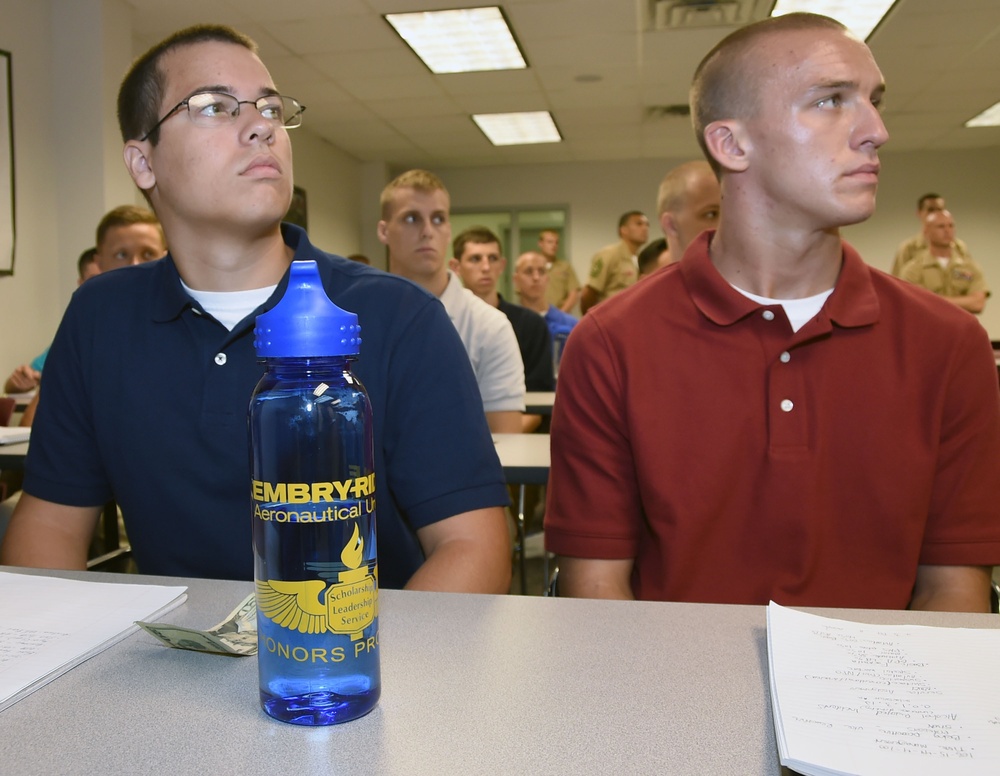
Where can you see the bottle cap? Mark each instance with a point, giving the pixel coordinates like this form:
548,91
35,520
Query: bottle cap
305,323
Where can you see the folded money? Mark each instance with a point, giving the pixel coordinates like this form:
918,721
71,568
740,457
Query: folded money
235,635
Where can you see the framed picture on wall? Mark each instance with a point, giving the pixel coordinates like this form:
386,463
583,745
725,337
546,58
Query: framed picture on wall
6,168
297,212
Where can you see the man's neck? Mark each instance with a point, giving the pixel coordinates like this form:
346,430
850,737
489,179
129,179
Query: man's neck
492,298
229,260
786,265
632,246
435,283
539,305
941,251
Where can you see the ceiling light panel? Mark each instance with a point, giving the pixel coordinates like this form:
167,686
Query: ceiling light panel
505,129
859,16
463,40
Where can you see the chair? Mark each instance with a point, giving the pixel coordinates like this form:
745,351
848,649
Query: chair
7,405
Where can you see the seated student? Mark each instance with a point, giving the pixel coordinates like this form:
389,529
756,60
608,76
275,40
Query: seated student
770,418
416,229
151,371
479,263
531,278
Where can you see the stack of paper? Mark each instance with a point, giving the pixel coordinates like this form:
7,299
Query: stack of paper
858,699
49,625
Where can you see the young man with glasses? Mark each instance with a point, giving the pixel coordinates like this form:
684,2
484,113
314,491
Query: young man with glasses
158,421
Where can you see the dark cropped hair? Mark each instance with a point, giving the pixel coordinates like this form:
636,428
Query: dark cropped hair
626,216
89,256
477,235
925,198
140,96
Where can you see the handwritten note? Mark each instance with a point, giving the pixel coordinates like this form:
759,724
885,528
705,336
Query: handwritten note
850,698
49,625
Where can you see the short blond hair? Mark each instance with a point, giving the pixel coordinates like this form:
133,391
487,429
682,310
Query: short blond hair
418,180
674,186
726,83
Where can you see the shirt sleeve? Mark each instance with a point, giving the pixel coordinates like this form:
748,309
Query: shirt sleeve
501,371
434,413
963,526
600,270
593,508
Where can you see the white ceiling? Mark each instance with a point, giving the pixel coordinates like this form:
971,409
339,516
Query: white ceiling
370,96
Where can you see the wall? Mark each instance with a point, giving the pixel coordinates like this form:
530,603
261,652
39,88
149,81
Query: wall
598,193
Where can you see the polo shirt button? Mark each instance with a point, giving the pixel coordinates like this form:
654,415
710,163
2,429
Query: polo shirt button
220,359
785,357
786,405
768,315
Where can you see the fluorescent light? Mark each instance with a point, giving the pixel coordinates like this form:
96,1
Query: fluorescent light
988,118
464,40
505,129
859,16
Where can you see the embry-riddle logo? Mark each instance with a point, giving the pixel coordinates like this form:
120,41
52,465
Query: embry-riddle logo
346,607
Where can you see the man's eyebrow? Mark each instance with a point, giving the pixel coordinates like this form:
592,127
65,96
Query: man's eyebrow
264,91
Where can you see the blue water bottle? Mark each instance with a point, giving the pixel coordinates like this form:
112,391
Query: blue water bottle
313,492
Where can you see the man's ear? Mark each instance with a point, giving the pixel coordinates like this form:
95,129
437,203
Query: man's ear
729,144
668,225
137,163
382,231
453,264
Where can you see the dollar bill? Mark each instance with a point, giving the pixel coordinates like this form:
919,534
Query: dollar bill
235,635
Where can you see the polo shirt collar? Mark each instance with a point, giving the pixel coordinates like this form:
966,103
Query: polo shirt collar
853,302
170,299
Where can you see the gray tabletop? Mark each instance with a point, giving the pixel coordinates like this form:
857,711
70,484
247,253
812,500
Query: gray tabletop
471,684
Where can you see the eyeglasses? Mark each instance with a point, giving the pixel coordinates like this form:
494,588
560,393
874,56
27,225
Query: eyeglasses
216,109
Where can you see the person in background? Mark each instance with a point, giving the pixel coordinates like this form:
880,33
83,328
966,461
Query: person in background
946,269
531,277
653,256
615,267
360,258
416,229
27,376
128,235
564,286
688,202
147,384
770,418
927,204
479,263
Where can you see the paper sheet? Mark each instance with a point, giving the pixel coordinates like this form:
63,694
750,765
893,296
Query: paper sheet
49,625
854,698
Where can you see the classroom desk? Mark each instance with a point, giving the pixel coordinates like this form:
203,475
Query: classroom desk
472,684
539,402
12,456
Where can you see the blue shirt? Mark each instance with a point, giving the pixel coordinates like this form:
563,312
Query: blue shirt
146,399
558,321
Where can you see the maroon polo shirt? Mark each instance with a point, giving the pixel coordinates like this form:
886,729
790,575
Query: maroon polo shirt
739,462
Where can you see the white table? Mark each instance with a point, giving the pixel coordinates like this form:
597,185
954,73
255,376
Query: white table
539,402
472,684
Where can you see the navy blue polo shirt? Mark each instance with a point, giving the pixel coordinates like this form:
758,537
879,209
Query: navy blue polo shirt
146,398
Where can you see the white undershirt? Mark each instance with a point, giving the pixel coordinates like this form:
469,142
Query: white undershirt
799,311
230,307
